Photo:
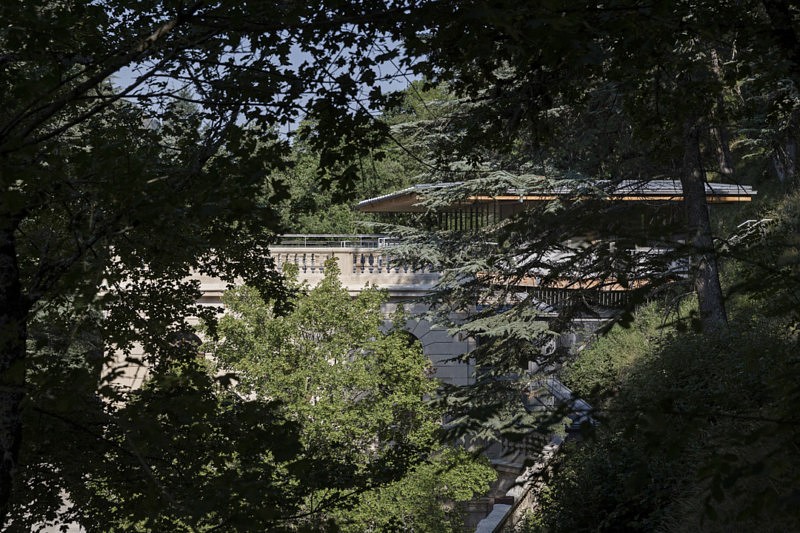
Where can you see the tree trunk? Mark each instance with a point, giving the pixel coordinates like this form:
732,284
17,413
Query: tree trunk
724,156
13,336
706,271
784,156
784,160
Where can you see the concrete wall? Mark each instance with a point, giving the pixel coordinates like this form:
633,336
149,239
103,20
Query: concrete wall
359,268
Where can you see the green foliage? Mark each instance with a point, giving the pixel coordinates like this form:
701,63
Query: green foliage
93,195
600,370
356,394
111,196
694,432
327,427
768,271
426,499
181,454
318,204
189,456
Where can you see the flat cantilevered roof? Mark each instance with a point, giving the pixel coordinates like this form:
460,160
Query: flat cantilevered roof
409,200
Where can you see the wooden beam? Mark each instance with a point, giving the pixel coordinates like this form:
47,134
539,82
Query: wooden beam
408,203
712,198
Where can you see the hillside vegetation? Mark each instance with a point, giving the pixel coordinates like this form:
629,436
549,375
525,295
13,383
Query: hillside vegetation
695,431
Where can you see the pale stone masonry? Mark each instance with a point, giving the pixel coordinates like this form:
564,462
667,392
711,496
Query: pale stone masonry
360,266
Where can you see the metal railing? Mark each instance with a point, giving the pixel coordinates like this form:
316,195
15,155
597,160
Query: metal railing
335,240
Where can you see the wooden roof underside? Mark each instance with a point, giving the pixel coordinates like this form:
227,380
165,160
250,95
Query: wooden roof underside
409,201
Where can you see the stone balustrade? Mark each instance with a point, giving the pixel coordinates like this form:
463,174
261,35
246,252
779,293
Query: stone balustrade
352,261
359,266
367,260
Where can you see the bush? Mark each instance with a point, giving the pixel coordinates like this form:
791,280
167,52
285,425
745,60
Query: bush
696,432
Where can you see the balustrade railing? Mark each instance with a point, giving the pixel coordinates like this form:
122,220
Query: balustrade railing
371,255
353,262
306,262
383,263
356,254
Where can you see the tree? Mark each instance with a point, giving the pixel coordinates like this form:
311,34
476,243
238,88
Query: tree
357,395
655,63
582,96
315,205
658,65
676,448
182,454
88,194
427,498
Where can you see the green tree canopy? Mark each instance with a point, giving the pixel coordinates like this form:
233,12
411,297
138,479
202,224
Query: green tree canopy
110,196
358,396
